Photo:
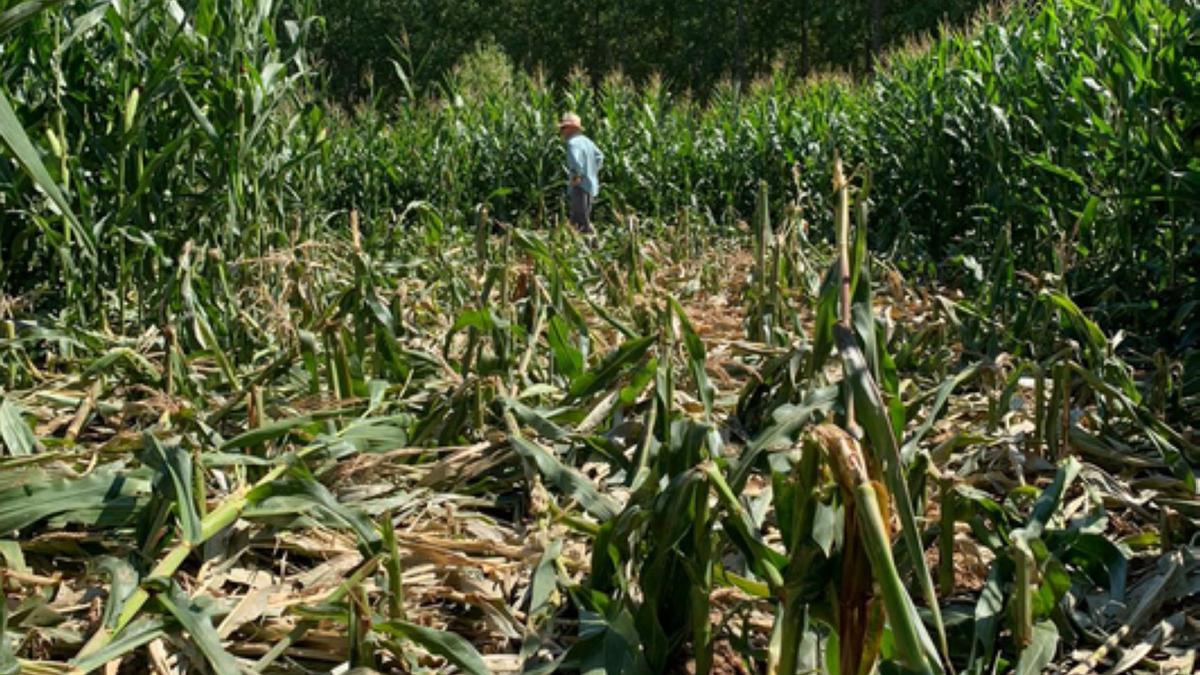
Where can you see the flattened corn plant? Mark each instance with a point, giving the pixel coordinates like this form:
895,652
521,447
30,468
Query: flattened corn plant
637,512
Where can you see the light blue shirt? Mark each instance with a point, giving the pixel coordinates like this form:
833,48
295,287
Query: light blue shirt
584,159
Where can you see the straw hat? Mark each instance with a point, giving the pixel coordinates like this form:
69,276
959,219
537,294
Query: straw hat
570,120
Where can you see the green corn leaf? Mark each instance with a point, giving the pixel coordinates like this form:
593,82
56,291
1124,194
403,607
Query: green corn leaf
947,387
788,422
8,660
138,633
989,616
308,354
349,517
1053,584
22,12
1044,163
609,643
376,434
640,380
913,646
167,155
102,489
267,432
123,581
568,480
199,626
1088,215
178,466
605,373
1169,443
1099,557
1051,498
85,23
1040,651
393,566
17,143
216,460
449,646
124,355
567,358
12,557
827,309
629,333
862,311
479,319
18,438
202,119
545,578
696,358
1097,343
541,587
206,336
536,421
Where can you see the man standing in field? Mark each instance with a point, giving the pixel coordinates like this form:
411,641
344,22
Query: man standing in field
584,160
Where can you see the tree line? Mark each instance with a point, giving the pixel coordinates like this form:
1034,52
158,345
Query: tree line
386,48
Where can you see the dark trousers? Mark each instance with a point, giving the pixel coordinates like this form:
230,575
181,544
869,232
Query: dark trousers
581,209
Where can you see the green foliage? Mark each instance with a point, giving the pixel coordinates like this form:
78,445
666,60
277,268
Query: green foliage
483,72
693,44
455,649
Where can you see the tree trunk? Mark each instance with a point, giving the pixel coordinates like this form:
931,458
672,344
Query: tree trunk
876,34
804,19
593,58
739,64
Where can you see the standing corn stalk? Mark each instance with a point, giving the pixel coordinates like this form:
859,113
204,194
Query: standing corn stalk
869,501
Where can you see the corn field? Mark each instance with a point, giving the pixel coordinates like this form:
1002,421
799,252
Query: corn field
895,375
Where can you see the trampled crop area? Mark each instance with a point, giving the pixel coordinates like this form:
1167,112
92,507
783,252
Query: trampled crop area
898,375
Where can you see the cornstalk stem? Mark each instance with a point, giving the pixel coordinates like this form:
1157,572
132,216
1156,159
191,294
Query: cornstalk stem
701,626
946,537
843,241
1023,596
